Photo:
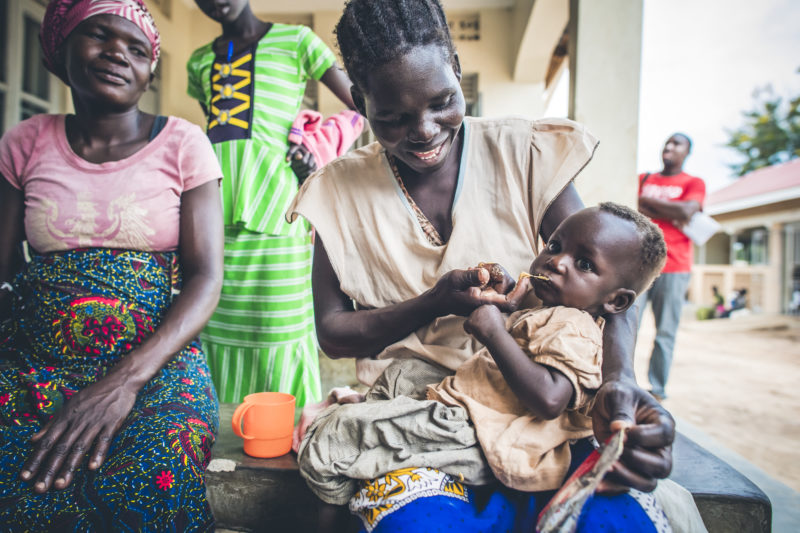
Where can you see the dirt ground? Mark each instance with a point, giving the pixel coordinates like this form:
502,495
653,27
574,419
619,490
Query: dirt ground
739,381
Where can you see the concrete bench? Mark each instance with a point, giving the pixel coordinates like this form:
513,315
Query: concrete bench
269,495
252,494
727,500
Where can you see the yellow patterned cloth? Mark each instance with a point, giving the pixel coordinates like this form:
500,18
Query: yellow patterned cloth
381,496
230,85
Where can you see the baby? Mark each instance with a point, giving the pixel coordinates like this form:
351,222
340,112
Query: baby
516,404
530,390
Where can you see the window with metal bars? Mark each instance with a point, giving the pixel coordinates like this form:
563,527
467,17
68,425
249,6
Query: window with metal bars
26,87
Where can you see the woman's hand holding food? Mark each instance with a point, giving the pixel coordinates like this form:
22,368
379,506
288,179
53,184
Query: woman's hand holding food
460,292
502,290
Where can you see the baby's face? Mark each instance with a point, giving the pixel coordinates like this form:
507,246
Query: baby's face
585,260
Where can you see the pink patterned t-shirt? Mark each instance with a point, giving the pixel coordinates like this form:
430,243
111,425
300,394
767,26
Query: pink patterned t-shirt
133,203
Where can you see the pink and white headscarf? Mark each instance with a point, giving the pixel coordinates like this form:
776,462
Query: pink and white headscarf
63,16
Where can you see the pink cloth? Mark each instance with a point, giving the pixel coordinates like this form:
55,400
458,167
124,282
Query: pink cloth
329,139
133,203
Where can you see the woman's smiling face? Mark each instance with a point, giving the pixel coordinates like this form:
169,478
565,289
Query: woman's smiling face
415,107
108,58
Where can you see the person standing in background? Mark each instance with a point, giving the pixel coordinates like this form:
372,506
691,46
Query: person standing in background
250,82
670,198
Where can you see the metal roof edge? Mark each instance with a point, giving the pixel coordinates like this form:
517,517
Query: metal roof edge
749,202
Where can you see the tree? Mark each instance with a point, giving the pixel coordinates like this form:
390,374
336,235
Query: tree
770,134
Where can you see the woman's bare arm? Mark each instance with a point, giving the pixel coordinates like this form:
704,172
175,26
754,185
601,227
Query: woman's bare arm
339,84
565,204
346,332
201,251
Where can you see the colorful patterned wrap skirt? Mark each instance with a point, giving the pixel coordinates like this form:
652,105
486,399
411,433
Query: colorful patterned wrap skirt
424,499
80,312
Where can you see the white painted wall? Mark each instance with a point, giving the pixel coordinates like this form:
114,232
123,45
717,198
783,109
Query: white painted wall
185,30
491,58
605,72
606,87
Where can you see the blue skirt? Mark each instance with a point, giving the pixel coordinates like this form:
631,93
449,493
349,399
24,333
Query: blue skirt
80,312
395,504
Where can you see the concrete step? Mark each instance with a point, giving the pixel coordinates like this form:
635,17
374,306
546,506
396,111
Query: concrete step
250,494
726,499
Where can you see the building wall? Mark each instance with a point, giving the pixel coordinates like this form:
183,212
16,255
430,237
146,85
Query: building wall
769,285
606,85
491,58
186,29
605,59
765,215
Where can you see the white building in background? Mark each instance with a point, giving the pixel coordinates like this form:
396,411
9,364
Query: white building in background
512,53
758,248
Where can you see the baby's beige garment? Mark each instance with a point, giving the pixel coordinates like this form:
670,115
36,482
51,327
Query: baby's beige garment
526,452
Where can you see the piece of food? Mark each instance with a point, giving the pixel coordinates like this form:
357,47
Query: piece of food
534,276
496,274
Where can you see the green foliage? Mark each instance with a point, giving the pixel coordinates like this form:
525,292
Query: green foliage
770,134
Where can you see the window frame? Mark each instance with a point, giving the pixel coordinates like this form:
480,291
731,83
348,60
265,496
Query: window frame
11,90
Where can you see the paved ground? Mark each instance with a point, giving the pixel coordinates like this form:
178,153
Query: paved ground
734,390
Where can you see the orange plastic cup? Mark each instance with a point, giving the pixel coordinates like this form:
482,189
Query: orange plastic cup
265,420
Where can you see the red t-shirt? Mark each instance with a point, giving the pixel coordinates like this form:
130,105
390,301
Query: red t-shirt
678,188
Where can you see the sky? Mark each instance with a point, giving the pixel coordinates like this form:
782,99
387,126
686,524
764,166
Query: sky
702,60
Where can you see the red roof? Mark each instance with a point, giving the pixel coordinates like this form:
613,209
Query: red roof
758,182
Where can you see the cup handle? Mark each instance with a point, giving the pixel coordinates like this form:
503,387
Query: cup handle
236,421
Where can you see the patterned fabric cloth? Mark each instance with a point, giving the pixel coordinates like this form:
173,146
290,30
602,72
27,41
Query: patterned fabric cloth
423,499
79,313
261,336
382,496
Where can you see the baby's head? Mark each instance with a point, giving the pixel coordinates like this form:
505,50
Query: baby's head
599,259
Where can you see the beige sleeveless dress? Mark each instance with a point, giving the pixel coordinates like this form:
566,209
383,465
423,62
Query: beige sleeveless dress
512,169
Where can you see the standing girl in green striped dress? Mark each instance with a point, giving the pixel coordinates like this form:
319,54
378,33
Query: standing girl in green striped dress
250,82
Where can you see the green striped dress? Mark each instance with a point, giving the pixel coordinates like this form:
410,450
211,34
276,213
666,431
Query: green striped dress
261,337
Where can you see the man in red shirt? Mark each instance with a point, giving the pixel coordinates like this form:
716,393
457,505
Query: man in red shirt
670,198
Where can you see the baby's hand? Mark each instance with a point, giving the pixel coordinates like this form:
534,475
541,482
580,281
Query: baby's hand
484,322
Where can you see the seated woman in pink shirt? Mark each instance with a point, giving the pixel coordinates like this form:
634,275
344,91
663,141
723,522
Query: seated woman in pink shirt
107,410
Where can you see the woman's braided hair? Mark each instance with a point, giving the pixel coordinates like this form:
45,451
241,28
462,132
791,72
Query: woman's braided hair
373,32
